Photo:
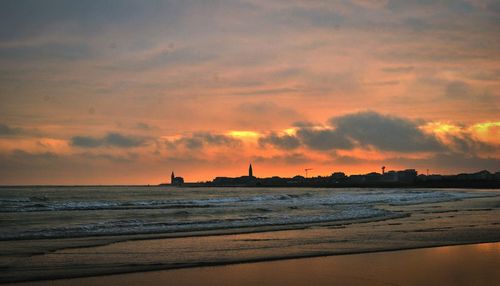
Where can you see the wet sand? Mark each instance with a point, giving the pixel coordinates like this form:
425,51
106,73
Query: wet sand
475,264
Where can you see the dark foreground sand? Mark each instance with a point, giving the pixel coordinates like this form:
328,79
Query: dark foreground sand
475,264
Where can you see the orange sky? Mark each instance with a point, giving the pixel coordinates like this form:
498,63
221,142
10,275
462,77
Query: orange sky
125,92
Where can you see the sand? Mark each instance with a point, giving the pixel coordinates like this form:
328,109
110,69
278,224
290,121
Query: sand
475,264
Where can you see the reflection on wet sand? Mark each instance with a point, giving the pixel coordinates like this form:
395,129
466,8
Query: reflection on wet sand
475,264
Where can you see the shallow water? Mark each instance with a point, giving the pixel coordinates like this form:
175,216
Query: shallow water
50,232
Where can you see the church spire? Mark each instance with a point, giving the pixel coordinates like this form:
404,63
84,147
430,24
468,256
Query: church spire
250,171
172,177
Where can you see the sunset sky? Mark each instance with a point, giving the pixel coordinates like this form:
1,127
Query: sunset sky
124,92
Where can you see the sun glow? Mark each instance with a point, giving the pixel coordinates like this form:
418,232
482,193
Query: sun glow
485,127
290,131
441,128
487,131
244,135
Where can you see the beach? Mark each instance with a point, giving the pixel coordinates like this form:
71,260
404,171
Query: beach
249,142
475,264
67,233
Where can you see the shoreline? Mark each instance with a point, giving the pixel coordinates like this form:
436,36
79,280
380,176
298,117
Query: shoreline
219,265
431,224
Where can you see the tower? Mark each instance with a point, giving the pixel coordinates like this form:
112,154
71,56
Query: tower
250,171
383,170
172,177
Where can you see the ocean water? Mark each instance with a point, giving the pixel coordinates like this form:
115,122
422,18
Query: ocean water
65,212
46,228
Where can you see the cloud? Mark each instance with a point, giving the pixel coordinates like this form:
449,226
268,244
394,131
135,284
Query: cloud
323,139
464,143
86,141
286,142
6,130
366,130
112,139
145,126
385,132
198,140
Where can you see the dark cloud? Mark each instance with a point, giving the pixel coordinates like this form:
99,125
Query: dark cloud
457,89
323,139
286,142
112,139
364,129
144,126
21,154
465,144
198,140
86,141
384,132
119,140
6,130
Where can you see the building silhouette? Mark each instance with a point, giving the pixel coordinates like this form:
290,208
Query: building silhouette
176,181
387,178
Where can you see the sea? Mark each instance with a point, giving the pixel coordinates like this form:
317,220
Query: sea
45,227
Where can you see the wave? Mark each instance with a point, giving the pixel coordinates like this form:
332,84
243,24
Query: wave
136,226
37,204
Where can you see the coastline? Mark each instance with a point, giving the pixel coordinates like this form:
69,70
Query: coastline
484,252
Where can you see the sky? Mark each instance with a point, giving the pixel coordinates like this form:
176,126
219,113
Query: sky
125,92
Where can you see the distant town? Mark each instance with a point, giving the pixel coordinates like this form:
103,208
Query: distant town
391,178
